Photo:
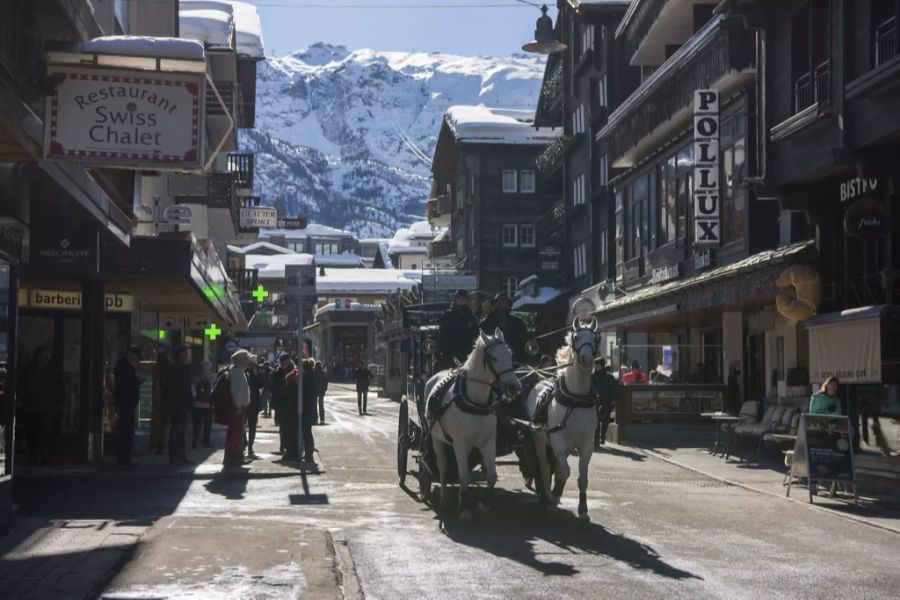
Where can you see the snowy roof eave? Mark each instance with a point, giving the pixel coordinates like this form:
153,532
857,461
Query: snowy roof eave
486,125
214,26
145,53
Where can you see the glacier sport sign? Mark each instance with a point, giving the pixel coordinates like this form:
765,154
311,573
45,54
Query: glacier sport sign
124,118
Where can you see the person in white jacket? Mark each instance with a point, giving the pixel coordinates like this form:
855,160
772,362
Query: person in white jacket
240,396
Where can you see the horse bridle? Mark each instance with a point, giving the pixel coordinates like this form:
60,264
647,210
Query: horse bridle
488,361
592,344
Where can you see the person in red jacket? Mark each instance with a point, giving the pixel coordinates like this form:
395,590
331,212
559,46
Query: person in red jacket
635,375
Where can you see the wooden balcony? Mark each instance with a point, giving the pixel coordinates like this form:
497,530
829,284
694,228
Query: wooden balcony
245,280
722,55
640,18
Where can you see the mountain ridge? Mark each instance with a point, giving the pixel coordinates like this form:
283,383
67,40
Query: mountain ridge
334,127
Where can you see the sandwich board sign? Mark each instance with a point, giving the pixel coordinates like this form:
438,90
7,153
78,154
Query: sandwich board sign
824,452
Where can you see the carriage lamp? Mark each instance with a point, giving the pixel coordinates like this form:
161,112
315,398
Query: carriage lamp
532,348
545,41
428,347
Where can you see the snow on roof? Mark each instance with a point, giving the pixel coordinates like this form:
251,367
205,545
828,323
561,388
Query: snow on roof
252,248
313,229
544,295
248,29
354,307
443,235
362,281
339,260
484,125
145,46
374,241
272,267
212,25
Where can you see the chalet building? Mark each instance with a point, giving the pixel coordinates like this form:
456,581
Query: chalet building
315,239
100,250
485,180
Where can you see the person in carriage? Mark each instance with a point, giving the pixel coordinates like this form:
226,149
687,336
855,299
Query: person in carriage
458,332
514,330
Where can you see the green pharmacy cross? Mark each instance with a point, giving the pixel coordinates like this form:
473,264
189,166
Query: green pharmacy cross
260,293
212,332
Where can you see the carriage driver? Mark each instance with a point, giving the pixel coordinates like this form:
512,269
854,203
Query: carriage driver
514,330
458,331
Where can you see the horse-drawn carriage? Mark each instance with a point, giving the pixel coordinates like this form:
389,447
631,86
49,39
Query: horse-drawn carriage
486,391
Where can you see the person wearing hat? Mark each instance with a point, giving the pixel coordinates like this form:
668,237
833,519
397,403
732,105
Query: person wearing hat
514,331
127,394
279,392
180,401
457,333
240,396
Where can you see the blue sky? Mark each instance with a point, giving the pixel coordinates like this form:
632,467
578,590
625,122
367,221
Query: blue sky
290,25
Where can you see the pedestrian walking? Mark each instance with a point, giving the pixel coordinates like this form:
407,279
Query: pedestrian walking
458,332
290,416
363,376
240,398
310,394
515,333
201,412
43,389
320,376
265,373
825,401
127,394
607,389
279,393
159,415
255,406
179,402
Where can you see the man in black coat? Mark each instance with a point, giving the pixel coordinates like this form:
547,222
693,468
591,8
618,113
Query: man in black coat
127,394
514,330
607,389
180,400
281,397
362,389
458,331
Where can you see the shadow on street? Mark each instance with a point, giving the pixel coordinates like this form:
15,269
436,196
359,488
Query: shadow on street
519,531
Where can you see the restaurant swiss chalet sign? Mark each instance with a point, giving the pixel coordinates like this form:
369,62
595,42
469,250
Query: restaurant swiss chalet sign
125,118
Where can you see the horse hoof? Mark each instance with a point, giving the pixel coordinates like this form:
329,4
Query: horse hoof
584,518
483,507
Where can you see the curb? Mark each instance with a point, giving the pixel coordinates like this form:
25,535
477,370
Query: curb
749,488
345,568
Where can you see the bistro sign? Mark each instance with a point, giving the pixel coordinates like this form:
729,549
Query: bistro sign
706,167
122,118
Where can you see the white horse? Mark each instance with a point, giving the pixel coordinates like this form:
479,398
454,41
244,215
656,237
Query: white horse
571,416
469,422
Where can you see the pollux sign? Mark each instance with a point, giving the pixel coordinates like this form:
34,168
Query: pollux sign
706,167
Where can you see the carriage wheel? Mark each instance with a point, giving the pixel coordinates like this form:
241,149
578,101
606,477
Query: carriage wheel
403,441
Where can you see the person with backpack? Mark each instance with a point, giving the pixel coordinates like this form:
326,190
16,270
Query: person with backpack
202,409
239,389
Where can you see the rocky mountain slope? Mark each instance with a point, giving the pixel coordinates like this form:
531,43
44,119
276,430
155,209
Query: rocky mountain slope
347,137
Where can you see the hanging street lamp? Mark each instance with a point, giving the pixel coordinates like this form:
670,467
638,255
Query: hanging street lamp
545,41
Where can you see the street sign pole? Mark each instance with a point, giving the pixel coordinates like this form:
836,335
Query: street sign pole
301,346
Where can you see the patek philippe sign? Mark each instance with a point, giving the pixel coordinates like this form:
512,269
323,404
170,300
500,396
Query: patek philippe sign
71,253
125,118
258,216
706,167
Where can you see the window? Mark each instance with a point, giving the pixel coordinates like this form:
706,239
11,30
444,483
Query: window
620,227
526,181
578,120
510,285
734,163
526,235
603,170
509,182
667,212
684,184
326,248
809,54
884,30
460,198
579,257
509,236
638,217
602,92
578,190
587,38
604,249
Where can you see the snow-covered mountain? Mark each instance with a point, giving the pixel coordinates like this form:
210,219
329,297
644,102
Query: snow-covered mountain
347,137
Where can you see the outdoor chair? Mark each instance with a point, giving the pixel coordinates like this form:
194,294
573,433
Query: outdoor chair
771,422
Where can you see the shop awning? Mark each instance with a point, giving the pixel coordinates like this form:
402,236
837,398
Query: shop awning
745,281
846,345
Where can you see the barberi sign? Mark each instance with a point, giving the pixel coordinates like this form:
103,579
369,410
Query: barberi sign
124,118
706,167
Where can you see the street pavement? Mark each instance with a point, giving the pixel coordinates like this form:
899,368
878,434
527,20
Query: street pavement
658,531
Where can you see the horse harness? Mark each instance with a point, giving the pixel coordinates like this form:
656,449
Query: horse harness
565,398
